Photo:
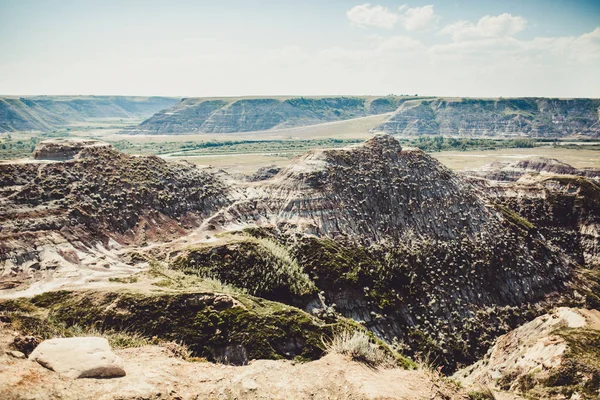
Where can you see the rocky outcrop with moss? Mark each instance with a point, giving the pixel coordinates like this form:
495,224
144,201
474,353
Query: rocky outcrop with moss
534,117
75,213
229,327
215,326
446,298
560,202
555,356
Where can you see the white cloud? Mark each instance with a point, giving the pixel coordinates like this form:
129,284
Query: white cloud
412,19
581,48
504,25
417,18
564,49
396,43
368,15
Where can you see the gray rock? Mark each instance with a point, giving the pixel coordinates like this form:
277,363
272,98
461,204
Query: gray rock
79,357
16,354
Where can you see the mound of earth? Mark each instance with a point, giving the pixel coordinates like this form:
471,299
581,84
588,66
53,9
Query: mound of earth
68,220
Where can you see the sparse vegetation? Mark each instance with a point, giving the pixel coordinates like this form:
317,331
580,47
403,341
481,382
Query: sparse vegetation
481,394
206,322
441,143
359,347
127,279
259,265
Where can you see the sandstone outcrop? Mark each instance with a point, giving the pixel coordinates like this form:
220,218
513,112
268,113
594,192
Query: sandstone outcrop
555,356
79,357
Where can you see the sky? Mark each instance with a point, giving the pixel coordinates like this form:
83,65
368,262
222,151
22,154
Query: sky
474,48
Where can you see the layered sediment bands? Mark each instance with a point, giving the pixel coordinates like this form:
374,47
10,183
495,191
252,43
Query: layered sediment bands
45,113
512,171
372,193
535,117
383,235
101,198
565,209
259,114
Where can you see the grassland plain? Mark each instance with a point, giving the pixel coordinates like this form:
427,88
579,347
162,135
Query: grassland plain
249,151
246,156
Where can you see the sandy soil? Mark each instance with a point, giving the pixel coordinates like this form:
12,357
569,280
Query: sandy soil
152,373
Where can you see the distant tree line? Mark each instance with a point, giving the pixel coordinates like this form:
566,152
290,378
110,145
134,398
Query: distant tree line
441,143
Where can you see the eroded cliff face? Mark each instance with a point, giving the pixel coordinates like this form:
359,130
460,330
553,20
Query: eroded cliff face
45,113
534,117
386,236
80,212
371,193
259,114
561,202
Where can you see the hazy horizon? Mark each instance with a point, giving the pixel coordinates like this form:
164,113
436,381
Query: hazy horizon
240,48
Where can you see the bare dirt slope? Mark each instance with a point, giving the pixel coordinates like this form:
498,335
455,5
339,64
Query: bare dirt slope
152,373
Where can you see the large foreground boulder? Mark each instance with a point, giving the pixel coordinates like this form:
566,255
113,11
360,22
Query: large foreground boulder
79,357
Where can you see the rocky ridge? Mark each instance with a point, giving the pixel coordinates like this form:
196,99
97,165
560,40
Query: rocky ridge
512,171
46,113
561,202
533,117
66,215
225,115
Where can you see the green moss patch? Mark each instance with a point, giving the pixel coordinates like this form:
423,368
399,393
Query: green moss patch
261,265
580,370
206,323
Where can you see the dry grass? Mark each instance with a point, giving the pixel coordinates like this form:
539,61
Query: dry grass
481,394
461,160
359,347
